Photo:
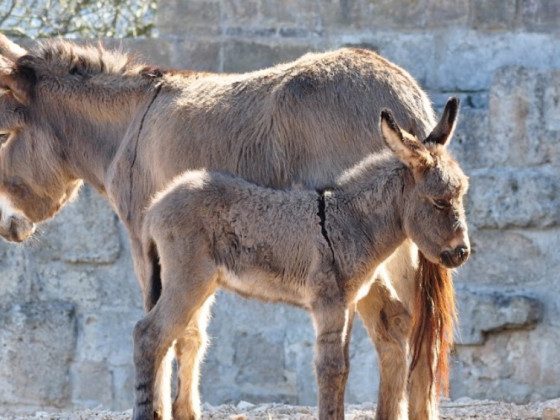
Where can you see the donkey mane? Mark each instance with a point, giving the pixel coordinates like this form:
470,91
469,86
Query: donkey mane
59,57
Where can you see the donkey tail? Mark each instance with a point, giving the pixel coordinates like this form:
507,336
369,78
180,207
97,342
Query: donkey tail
434,317
153,276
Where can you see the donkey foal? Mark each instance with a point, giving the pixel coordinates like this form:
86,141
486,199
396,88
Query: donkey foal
318,251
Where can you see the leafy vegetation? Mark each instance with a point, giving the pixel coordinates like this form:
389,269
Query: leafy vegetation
77,18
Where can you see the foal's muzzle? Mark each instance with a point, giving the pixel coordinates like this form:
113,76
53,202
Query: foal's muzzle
455,257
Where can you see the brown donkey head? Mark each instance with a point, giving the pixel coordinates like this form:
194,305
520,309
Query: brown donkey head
434,216
33,185
435,220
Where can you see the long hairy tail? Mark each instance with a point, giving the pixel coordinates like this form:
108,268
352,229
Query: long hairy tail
434,317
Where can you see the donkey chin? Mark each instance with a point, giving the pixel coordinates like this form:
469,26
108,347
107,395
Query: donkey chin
16,229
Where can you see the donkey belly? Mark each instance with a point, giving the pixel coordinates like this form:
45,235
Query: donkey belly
266,286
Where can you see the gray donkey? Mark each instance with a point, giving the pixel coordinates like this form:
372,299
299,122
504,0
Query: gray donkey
315,250
72,114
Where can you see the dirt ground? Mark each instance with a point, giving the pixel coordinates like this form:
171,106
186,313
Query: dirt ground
461,409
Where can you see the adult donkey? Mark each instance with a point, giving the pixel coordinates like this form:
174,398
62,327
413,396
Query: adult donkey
71,114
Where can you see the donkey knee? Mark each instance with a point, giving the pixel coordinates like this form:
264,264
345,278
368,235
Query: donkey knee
144,340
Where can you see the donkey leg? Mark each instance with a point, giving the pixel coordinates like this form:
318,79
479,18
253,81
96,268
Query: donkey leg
346,348
154,334
388,324
331,321
190,349
162,387
423,400
146,267
151,343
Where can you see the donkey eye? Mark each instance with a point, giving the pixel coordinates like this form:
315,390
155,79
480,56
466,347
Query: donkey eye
441,204
4,138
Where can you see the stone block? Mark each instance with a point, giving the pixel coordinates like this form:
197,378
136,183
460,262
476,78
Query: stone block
177,18
539,15
196,55
466,60
446,13
155,51
106,336
299,13
524,119
91,287
246,56
342,16
517,366
493,14
512,258
491,311
37,342
401,14
242,12
86,231
92,385
15,272
270,14
471,137
364,16
505,198
123,386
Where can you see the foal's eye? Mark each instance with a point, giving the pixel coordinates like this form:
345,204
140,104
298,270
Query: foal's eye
441,204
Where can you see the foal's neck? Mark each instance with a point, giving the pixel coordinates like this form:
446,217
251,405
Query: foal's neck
371,199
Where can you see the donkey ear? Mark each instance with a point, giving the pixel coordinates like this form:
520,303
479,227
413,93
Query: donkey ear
16,80
444,129
10,50
407,148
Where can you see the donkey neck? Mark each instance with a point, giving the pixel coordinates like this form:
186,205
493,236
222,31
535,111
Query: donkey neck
364,213
91,130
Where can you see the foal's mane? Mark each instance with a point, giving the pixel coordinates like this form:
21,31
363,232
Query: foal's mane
433,321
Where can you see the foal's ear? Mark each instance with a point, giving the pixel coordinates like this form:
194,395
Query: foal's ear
17,80
407,148
444,129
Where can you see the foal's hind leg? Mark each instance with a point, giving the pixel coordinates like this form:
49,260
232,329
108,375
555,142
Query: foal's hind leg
162,387
189,350
153,335
388,325
331,321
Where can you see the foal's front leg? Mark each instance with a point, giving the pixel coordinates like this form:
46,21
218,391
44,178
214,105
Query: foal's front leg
331,321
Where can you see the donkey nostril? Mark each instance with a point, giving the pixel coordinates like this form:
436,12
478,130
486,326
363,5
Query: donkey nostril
462,253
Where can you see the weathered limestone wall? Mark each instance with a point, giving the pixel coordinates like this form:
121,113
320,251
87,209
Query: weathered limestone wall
69,299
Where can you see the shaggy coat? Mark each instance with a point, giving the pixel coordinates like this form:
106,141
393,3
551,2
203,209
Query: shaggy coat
71,114
318,251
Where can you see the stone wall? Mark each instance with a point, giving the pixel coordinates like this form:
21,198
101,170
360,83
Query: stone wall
69,299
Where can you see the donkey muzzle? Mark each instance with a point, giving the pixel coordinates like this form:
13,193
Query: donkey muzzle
455,257
16,229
